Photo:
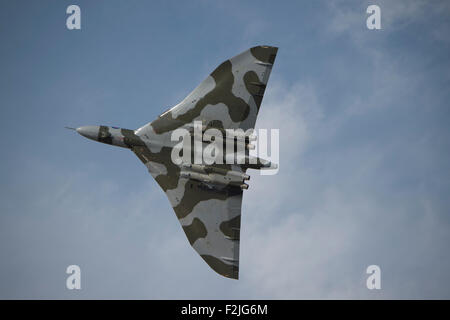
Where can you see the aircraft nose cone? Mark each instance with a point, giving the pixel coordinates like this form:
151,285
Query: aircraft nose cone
90,132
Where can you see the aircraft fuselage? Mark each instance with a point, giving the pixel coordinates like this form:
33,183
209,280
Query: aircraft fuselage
115,136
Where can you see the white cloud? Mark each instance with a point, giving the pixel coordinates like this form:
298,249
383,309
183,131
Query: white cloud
310,231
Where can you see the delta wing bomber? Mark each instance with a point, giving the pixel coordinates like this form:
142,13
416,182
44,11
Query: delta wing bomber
205,196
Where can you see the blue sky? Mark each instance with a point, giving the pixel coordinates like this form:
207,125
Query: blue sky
364,155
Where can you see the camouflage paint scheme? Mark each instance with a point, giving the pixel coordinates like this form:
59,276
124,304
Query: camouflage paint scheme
209,212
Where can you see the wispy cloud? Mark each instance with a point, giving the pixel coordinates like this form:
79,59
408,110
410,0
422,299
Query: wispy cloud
364,149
